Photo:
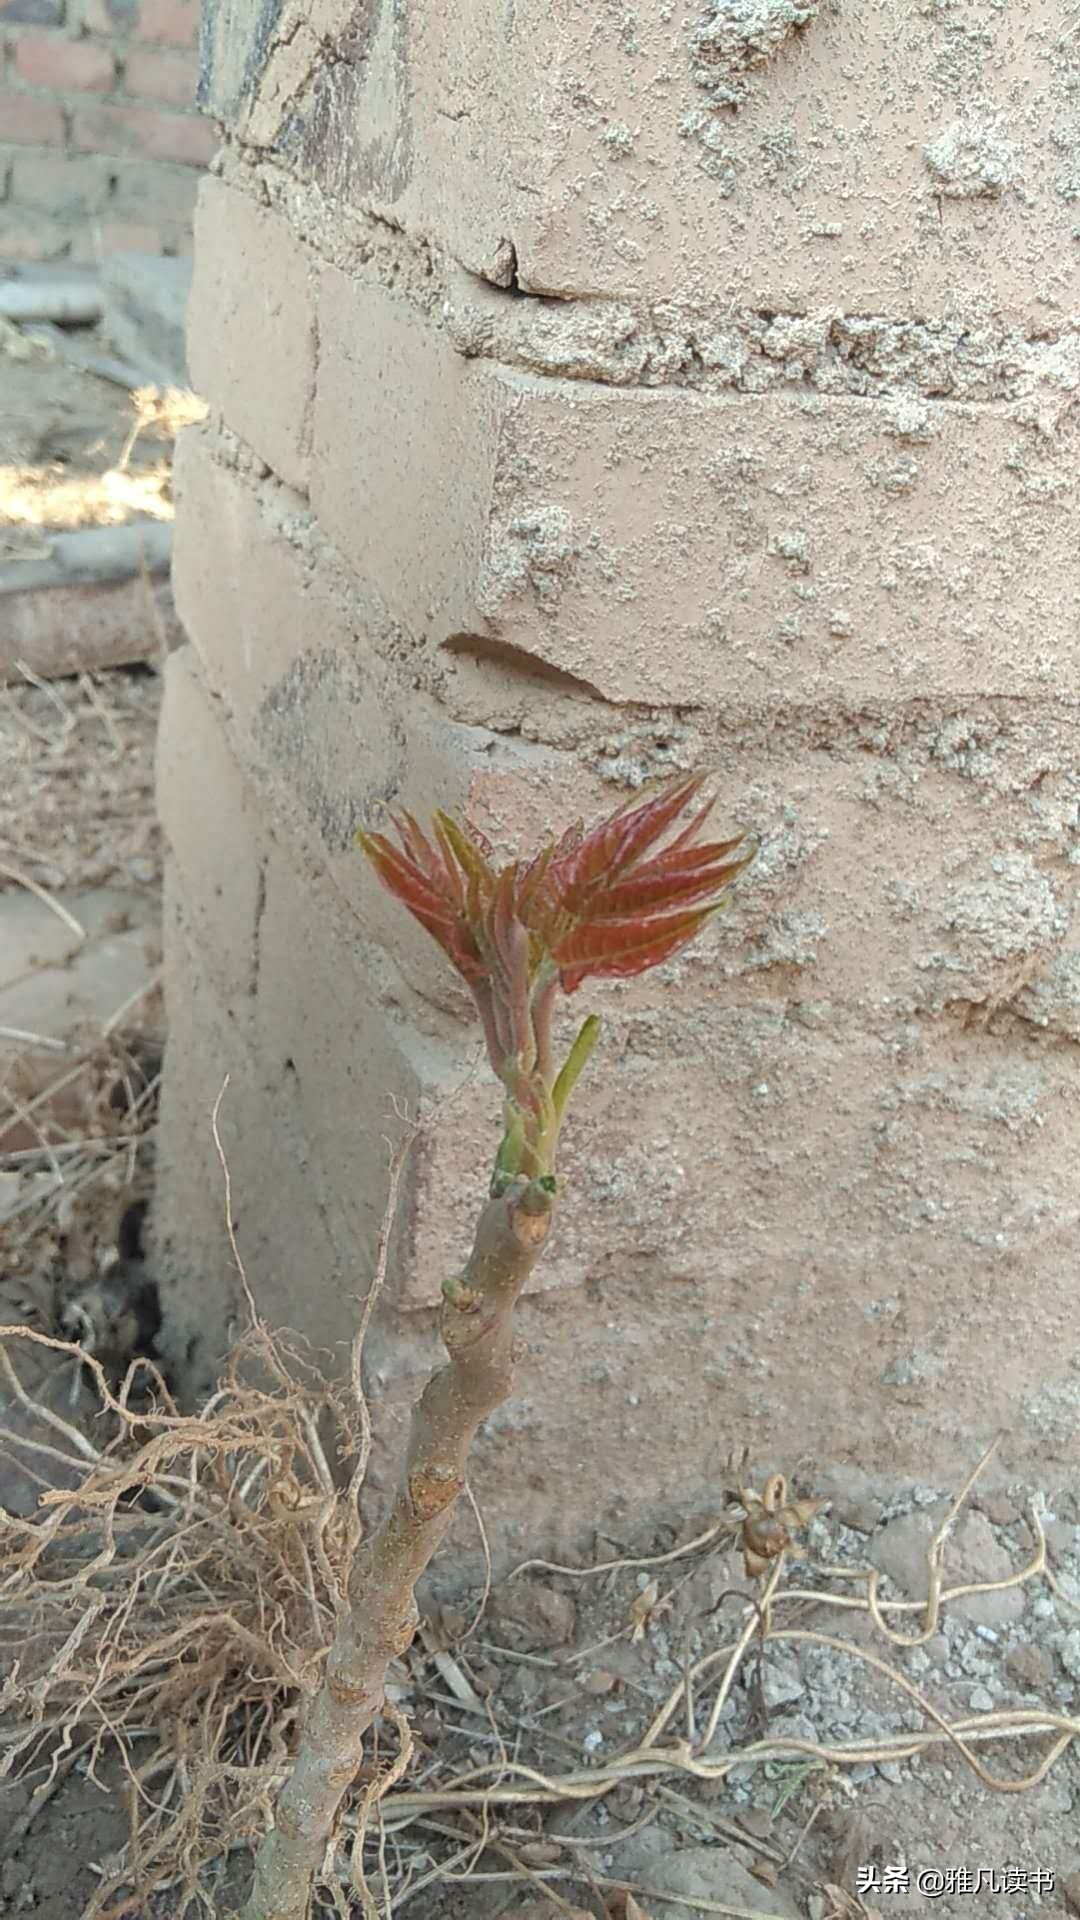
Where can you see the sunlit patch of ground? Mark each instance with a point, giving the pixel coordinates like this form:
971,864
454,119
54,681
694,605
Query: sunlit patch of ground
77,450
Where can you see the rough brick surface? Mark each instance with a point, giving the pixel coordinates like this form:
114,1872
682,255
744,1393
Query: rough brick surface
831,547
788,496
306,669
676,153
320,1146
256,360
403,485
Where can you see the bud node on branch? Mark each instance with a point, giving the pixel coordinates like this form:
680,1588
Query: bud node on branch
433,1489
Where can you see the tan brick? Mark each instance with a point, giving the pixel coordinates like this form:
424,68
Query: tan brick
210,822
279,1228
604,154
319,977
424,490
823,548
682,1258
251,327
305,667
246,583
151,74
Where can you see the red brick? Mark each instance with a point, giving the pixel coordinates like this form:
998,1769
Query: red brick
29,122
54,184
168,23
49,60
182,137
154,75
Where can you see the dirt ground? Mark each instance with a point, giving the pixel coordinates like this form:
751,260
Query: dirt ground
562,1673
78,838
559,1672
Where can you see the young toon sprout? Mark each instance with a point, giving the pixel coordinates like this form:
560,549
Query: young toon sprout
607,903
601,905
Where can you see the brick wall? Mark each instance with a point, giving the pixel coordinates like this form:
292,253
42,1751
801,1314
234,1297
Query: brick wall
595,392
100,140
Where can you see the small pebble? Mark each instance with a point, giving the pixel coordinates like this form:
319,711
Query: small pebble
1029,1668
599,1681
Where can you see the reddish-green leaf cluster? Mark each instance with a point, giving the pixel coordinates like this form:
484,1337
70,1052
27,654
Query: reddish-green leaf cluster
605,903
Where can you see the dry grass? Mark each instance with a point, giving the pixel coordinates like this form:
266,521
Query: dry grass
79,781
78,1133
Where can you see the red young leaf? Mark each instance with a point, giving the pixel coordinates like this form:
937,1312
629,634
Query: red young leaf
607,902
618,843
620,949
689,876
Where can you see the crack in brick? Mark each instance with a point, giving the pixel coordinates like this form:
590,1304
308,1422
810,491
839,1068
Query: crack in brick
909,361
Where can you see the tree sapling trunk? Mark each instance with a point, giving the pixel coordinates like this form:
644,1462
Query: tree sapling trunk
607,903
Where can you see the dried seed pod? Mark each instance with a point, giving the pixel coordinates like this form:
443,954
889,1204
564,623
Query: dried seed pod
771,1520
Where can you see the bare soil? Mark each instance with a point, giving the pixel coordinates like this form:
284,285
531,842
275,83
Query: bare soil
571,1670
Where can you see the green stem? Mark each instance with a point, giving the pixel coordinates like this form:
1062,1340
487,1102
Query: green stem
574,1065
